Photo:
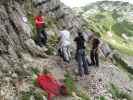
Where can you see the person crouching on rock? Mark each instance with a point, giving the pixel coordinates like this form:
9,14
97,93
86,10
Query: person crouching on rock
94,54
64,44
40,27
80,54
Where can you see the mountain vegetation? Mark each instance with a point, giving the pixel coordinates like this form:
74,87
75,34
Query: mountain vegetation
114,17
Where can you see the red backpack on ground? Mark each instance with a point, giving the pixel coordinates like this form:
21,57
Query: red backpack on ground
51,86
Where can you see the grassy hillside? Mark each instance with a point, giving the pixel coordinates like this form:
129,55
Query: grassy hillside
111,16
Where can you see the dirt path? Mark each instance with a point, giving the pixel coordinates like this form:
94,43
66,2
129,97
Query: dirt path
95,83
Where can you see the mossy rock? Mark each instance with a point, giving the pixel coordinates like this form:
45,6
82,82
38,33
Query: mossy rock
122,63
102,98
26,95
119,94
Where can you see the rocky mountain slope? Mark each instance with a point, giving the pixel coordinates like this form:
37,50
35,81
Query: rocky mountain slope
19,55
16,42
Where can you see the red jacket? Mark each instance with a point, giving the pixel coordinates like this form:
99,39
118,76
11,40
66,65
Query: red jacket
39,22
50,85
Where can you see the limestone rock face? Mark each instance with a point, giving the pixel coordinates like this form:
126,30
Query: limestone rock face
35,50
14,32
59,11
16,39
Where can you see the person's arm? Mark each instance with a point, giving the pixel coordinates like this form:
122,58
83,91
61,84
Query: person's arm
100,49
75,40
84,39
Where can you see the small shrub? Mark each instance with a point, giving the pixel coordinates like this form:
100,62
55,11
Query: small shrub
38,96
26,95
35,71
50,50
52,42
32,22
102,98
69,83
83,95
46,71
52,22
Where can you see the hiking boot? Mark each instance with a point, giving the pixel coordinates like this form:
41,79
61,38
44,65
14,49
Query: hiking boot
40,45
87,73
91,64
84,77
96,65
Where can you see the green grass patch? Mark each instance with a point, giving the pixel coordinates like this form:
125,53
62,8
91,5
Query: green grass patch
26,95
119,44
118,94
52,22
51,44
38,96
35,71
69,82
123,27
71,86
31,19
83,95
102,98
103,22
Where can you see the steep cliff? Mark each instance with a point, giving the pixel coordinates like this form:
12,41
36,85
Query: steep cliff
19,55
16,39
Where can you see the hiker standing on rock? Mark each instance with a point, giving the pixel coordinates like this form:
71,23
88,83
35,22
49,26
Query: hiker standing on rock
41,34
64,44
94,54
80,54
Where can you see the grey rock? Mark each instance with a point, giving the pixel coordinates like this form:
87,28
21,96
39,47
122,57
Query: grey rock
106,50
34,49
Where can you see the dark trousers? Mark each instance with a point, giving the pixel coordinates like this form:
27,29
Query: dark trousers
41,37
82,63
94,57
